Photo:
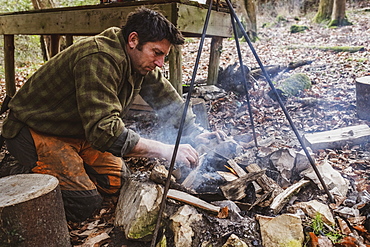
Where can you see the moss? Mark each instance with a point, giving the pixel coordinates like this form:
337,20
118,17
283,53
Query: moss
342,48
292,243
298,29
144,227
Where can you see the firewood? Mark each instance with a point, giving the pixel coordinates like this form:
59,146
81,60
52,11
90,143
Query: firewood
337,138
279,202
267,184
32,212
235,190
238,170
192,200
187,183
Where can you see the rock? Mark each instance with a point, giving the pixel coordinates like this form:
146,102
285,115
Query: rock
283,161
137,208
283,230
332,178
234,241
312,208
181,225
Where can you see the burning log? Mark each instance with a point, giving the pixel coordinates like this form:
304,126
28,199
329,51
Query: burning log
267,184
31,211
235,190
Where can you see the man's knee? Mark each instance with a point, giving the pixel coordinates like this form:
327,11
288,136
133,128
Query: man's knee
79,205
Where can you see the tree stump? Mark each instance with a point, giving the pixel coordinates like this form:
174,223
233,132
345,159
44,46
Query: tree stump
32,212
363,97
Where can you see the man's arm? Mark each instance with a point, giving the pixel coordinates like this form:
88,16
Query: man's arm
186,154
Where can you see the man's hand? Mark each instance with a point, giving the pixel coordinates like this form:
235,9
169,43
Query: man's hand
186,154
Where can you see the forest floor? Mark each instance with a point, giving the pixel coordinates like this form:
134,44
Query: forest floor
333,75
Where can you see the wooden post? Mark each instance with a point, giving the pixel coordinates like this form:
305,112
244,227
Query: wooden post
55,45
175,60
69,40
214,60
32,212
9,65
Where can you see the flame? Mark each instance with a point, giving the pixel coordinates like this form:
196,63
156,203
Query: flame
231,170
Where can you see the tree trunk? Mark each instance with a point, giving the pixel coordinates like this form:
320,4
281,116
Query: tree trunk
246,11
324,12
32,212
45,40
338,17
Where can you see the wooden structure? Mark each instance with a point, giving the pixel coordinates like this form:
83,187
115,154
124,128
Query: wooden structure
187,16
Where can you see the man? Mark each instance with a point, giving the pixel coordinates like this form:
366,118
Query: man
66,120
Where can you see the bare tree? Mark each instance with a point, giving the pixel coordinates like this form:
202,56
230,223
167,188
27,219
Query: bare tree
45,40
246,9
333,12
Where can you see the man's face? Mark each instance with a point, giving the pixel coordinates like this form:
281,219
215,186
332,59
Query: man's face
147,57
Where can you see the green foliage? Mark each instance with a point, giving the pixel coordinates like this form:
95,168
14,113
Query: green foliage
318,227
15,5
70,3
317,224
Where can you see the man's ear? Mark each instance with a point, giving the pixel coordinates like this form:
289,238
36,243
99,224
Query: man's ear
133,40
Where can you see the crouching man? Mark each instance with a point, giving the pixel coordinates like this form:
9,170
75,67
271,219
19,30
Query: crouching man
66,120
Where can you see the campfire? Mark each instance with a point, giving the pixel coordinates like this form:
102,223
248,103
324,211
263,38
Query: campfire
259,197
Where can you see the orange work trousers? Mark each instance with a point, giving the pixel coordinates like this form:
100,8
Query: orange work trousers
83,172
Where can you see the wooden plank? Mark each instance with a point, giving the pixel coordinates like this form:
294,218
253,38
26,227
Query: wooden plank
9,65
82,22
192,200
189,19
337,138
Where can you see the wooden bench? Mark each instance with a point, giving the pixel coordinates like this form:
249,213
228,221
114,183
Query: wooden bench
187,16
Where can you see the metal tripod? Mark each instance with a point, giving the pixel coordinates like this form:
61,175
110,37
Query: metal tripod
234,20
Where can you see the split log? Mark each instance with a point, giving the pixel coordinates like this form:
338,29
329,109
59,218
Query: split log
337,138
363,97
32,212
192,200
137,208
266,183
235,190
279,202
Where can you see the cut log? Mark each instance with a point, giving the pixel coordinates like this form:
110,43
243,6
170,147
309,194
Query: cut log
279,202
32,212
334,139
363,97
137,208
192,200
266,183
235,190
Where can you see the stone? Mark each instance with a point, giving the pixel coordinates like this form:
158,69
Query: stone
283,161
314,207
181,223
283,230
234,241
334,181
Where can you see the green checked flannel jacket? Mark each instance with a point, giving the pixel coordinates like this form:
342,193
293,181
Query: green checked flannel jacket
84,92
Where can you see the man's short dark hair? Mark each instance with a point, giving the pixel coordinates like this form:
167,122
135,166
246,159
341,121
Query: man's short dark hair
151,26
